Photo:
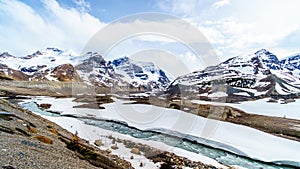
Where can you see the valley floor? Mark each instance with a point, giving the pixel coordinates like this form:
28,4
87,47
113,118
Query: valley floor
231,137
238,139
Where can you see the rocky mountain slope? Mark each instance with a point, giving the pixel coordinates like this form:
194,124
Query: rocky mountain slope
257,74
292,63
51,64
62,65
140,73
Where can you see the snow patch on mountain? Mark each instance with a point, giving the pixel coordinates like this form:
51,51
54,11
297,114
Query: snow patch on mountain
140,73
258,73
51,57
40,64
292,63
91,67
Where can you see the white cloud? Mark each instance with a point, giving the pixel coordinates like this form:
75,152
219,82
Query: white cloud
214,36
236,27
156,38
221,3
189,56
25,30
82,5
182,7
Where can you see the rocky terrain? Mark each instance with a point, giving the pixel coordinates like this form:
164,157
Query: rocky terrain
29,141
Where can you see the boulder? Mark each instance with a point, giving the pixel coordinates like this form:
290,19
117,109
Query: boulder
114,147
45,106
135,151
98,143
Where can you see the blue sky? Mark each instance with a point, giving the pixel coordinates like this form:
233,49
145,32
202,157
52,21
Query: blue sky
105,10
109,10
232,26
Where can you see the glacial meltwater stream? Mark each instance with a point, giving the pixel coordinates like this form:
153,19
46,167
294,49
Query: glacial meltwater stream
187,143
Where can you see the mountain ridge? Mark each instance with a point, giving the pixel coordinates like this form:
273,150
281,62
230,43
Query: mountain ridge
249,75
91,68
257,74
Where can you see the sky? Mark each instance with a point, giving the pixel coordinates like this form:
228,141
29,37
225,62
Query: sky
232,27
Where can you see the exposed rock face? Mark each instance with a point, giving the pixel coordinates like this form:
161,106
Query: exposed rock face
94,69
7,73
65,73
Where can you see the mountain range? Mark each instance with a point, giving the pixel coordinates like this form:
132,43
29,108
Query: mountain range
54,64
254,75
257,74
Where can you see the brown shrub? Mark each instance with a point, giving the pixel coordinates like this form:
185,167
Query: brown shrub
31,129
44,139
53,131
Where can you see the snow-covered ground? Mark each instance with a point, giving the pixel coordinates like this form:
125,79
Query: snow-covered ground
263,107
92,133
244,140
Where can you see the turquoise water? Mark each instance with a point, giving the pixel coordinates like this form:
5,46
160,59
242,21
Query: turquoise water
178,140
219,155
32,106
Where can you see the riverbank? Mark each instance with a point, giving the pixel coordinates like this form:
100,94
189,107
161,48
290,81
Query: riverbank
30,141
226,136
229,113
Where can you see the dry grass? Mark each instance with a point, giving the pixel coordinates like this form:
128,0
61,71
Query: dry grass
43,139
31,129
53,131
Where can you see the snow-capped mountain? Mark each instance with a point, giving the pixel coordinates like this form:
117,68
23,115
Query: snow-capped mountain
258,63
94,70
122,72
252,75
292,63
42,65
256,74
54,64
144,74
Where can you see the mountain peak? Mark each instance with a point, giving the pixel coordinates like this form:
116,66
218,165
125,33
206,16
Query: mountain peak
261,51
121,61
5,55
292,63
55,51
257,62
269,59
266,55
